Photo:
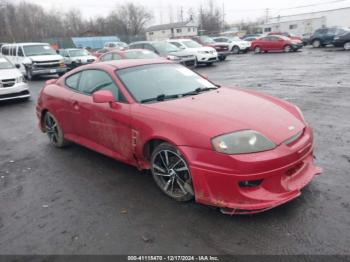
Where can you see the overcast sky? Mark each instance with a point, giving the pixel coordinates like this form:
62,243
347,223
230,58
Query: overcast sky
235,10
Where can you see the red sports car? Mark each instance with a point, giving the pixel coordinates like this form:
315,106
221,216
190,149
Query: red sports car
275,43
127,54
236,149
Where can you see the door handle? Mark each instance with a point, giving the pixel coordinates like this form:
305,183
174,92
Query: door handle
76,105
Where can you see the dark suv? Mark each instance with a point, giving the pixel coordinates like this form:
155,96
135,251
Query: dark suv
342,40
325,36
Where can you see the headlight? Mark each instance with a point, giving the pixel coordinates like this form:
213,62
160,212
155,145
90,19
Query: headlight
242,142
19,79
172,57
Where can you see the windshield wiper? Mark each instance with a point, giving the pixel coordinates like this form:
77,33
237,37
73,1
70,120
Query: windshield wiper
160,97
199,90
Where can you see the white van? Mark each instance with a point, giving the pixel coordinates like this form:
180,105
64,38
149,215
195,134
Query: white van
34,59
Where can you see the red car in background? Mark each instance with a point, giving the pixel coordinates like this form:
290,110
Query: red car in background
240,150
291,36
275,43
128,54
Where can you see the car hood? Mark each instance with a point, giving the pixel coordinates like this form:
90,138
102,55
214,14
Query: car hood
203,48
227,110
42,58
9,73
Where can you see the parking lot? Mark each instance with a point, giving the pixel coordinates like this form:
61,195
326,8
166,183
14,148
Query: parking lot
76,201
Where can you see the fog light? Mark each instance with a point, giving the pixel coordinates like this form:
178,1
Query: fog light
252,183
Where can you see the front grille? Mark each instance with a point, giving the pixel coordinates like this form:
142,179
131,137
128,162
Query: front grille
26,92
47,64
186,56
7,82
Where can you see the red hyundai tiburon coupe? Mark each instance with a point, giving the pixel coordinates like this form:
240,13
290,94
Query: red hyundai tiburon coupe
236,149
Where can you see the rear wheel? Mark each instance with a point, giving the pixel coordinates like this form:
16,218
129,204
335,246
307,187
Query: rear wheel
236,50
171,172
347,46
287,48
316,43
54,131
257,50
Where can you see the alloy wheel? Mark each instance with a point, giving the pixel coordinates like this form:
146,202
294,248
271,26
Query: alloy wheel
287,49
51,129
172,175
316,43
347,46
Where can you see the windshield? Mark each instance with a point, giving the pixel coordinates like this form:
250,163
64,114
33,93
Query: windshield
140,54
191,44
78,52
149,81
165,47
207,40
35,50
5,64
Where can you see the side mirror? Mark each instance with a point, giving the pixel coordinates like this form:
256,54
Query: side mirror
103,96
18,66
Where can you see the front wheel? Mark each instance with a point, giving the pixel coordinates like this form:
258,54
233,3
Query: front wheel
171,172
222,58
54,131
316,43
257,50
347,46
29,74
287,49
236,50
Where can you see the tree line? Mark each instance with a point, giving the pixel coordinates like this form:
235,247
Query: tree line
27,21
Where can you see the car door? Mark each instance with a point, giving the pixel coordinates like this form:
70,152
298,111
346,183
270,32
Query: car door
276,43
102,127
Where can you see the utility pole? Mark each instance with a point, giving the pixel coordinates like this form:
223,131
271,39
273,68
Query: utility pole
182,14
223,16
267,14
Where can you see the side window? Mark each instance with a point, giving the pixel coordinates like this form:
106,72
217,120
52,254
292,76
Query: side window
149,47
116,57
5,50
176,44
95,80
13,50
20,51
107,57
73,81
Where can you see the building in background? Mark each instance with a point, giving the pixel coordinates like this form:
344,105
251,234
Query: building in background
166,31
305,24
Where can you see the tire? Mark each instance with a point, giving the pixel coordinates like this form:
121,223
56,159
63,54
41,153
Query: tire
257,50
29,74
222,58
171,173
287,48
347,45
236,50
54,131
316,43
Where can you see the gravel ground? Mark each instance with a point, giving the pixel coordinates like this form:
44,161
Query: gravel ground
75,201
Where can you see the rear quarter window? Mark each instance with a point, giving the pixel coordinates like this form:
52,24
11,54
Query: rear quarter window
73,81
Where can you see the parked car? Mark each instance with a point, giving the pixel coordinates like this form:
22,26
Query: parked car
35,59
325,36
291,36
75,57
342,40
223,49
116,45
237,149
128,54
275,43
100,52
236,44
12,85
168,51
204,54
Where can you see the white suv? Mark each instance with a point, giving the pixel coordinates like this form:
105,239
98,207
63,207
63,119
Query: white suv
34,59
237,45
204,55
12,85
